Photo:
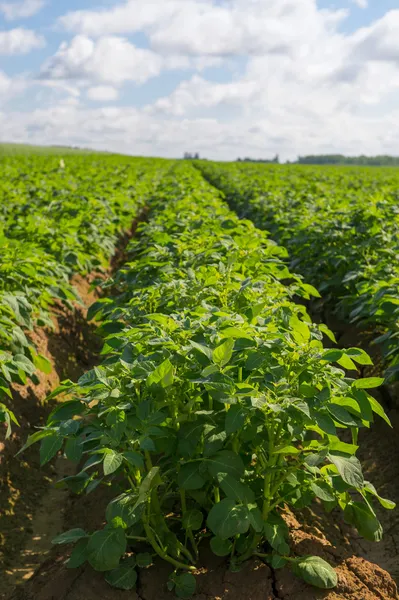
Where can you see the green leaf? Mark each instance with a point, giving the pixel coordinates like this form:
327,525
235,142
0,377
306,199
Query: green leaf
340,414
124,507
377,408
227,519
349,468
235,418
322,490
74,449
69,537
112,462
202,349
185,585
221,547
276,533
36,437
228,462
368,383
332,355
301,332
315,571
122,578
360,516
359,356
134,458
43,364
192,519
144,559
235,489
347,363
388,504
105,549
223,353
162,376
79,554
189,477
49,447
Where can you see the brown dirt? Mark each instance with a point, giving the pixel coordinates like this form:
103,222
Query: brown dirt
358,579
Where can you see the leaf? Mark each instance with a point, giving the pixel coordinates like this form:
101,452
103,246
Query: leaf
105,549
192,519
350,469
189,477
144,559
223,353
162,376
122,578
359,356
360,516
235,489
332,355
185,585
69,537
315,571
124,507
322,490
202,349
134,458
221,547
228,462
74,449
341,415
301,332
226,519
79,554
276,533
347,363
112,462
43,364
49,447
377,408
36,437
368,383
388,504
235,418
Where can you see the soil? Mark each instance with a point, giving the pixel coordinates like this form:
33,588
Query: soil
358,578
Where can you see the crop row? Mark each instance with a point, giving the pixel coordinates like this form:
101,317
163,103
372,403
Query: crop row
56,219
215,405
341,229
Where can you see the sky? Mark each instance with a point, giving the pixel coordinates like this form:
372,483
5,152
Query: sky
225,78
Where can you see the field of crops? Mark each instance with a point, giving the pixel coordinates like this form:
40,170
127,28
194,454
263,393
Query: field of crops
220,410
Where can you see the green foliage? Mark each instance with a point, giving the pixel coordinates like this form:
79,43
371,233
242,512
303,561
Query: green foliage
341,229
216,403
56,221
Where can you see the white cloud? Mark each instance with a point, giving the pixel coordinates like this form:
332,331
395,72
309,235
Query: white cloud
19,41
210,28
292,81
361,3
21,10
102,93
110,59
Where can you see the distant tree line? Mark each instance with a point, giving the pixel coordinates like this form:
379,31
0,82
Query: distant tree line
191,156
274,160
340,159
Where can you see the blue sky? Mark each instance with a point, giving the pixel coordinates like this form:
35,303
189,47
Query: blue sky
227,77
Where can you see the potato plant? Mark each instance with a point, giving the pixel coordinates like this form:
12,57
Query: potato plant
216,405
55,222
341,228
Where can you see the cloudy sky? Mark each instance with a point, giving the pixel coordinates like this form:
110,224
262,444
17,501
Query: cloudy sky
225,78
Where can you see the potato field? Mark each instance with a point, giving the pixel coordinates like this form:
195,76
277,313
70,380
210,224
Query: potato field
198,377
